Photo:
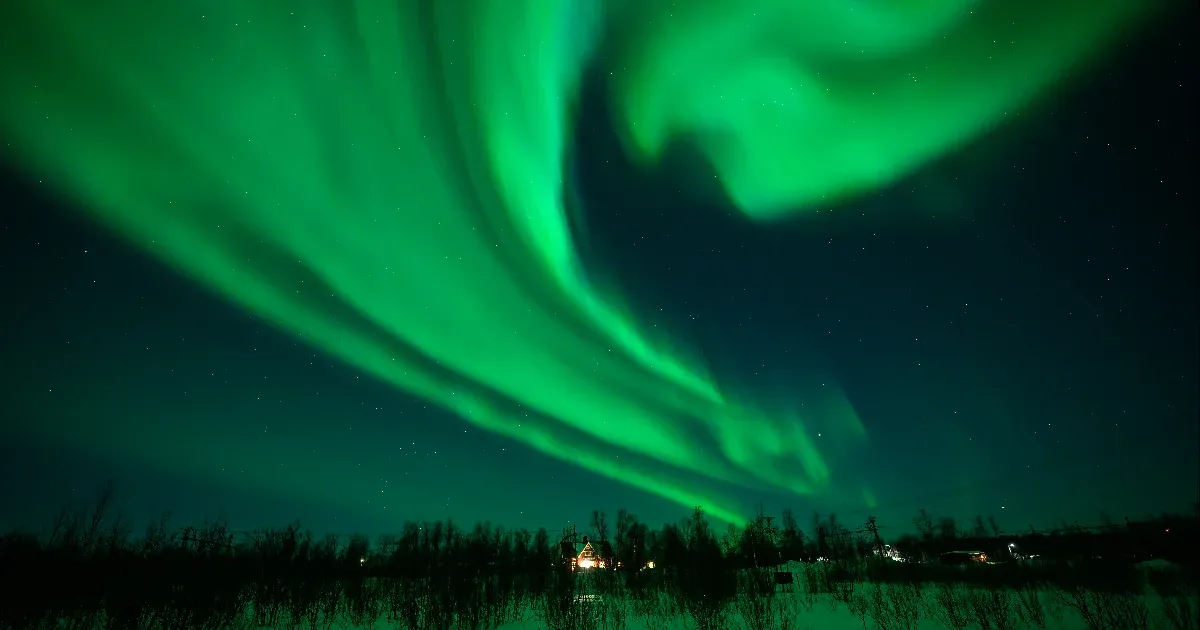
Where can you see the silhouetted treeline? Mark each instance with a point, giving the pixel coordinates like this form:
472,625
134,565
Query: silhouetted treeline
1169,537
89,571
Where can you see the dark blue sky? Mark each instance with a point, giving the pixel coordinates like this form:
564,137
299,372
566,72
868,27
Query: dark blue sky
1015,326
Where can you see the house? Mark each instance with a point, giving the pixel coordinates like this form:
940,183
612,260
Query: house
963,557
585,554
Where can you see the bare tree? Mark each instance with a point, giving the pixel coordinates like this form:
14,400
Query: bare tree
992,524
947,528
94,529
731,540
924,524
600,524
792,538
699,526
62,528
977,528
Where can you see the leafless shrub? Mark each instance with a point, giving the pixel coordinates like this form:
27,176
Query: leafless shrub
992,608
785,613
842,590
805,591
651,605
1029,604
709,614
895,606
405,605
859,605
754,598
761,605
616,612
908,604
1177,599
835,578
565,608
950,606
1104,609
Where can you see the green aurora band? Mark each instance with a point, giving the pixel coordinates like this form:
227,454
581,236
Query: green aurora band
385,180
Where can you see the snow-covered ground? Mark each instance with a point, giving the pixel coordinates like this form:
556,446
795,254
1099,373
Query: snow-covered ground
797,609
829,615
823,612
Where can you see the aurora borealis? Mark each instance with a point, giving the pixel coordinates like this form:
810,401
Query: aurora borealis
388,183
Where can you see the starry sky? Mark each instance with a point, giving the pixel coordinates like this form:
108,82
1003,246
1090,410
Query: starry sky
1013,324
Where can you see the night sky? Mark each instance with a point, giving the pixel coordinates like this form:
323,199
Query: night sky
1014,325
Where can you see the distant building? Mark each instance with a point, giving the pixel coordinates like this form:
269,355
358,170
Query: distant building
586,555
888,552
963,557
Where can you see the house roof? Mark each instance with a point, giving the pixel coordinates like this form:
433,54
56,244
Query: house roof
601,548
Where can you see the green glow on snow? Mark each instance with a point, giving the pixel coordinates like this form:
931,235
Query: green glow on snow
385,179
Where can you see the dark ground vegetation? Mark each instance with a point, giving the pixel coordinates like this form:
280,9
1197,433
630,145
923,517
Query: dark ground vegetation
89,572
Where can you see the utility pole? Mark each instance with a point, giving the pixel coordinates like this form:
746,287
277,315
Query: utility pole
569,534
568,538
874,529
766,524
